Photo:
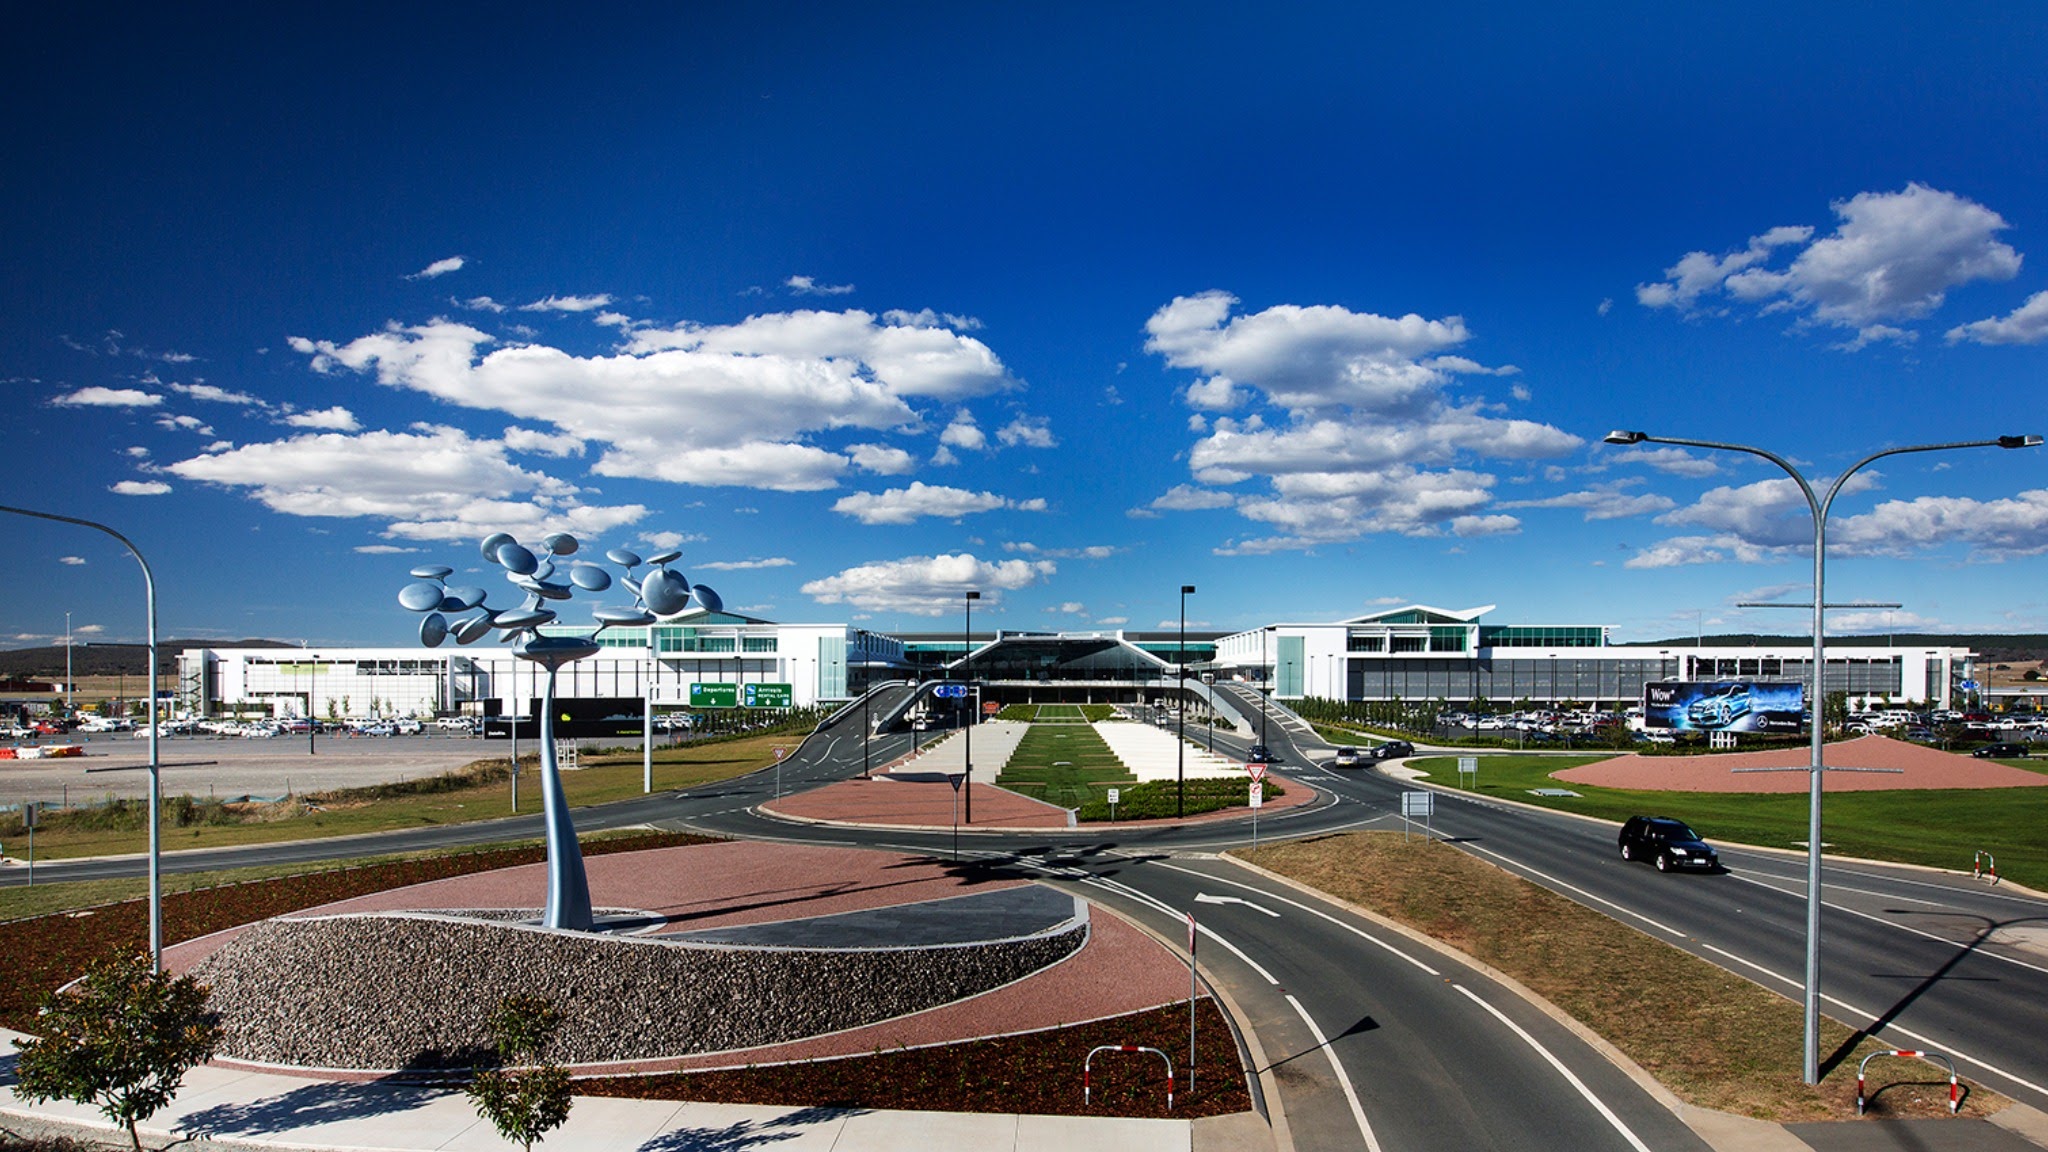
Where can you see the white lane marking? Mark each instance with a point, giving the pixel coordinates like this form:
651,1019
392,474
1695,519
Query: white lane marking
1801,892
1595,1101
1205,898
1150,901
1343,1081
1354,930
1205,930
1549,879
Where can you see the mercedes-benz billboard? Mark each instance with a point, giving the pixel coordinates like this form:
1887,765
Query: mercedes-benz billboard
1724,706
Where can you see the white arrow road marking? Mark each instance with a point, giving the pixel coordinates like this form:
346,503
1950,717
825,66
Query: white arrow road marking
1205,898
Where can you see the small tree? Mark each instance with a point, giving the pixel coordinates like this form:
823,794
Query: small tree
524,1104
122,1038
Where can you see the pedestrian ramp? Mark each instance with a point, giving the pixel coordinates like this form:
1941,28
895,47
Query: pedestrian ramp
995,741
1152,753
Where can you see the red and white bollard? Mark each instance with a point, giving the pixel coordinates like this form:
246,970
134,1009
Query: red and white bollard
1088,1064
1955,1096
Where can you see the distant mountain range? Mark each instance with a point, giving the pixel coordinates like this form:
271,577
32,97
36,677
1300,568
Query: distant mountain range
110,659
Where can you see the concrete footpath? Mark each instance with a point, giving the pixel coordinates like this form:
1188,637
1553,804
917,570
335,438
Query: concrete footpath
230,1108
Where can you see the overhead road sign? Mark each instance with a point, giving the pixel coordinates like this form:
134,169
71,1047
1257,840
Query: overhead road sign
767,695
714,695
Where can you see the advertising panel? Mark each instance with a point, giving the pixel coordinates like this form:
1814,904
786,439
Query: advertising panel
1724,706
576,717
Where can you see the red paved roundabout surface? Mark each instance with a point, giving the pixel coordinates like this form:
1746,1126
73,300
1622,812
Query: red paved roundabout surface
1118,970
1920,767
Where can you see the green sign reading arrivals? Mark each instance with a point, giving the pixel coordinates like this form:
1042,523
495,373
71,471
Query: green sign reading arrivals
767,695
714,695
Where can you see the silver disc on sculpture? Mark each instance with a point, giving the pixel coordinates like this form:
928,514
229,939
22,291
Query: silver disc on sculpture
469,594
561,544
544,589
514,558
420,596
432,571
590,577
529,618
707,599
433,630
623,556
664,592
631,584
545,570
472,630
663,557
622,615
495,541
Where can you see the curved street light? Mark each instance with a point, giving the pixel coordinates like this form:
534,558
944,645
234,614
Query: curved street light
156,879
1819,506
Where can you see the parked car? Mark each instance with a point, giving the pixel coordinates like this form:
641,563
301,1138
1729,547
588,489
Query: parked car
408,727
1346,758
1667,843
2003,751
1393,750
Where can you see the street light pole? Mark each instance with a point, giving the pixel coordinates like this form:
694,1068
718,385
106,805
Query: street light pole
156,884
967,667
1180,745
1265,685
1819,507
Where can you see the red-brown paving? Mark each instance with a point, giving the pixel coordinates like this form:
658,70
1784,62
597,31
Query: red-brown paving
1119,969
1919,765
929,804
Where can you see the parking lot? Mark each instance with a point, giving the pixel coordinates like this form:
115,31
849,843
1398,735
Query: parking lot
239,767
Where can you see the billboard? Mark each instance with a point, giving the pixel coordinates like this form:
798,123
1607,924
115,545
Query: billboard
576,717
1724,706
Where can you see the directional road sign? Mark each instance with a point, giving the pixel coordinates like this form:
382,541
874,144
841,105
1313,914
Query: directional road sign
767,695
714,695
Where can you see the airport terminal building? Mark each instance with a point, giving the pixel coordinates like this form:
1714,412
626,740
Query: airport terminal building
1412,653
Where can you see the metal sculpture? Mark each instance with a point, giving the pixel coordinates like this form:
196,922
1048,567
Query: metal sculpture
659,592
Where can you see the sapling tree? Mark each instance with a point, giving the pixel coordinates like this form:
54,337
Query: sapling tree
121,1038
525,1096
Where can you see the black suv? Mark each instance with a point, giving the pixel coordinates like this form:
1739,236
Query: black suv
1393,750
2001,752
1260,754
1667,843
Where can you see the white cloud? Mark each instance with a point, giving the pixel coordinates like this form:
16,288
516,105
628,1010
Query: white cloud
1892,257
1031,431
136,451
748,565
182,423
335,419
1602,502
542,443
1067,608
1769,513
1684,550
71,560
738,404
2027,324
1995,529
963,432
95,396
906,505
216,394
436,484
1090,552
809,286
927,585
668,541
383,550
477,304
1675,461
140,488
1188,498
881,459
439,267
1114,621
1366,419
569,303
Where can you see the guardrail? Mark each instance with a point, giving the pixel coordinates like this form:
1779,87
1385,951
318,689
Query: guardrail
1954,1094
1984,864
1087,1067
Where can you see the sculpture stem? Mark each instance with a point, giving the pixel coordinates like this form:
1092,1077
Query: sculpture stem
568,889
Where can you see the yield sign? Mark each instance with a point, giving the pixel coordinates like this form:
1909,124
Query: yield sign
1257,770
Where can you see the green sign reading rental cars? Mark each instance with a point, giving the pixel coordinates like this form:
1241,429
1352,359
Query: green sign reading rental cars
766,695
714,695
740,695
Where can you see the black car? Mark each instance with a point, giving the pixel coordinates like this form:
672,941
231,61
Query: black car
2001,752
1393,750
1667,843
1260,754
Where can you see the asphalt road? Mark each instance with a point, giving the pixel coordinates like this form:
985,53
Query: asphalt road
1931,960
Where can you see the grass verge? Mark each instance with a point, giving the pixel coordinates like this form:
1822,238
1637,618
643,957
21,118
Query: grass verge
1713,1038
1936,827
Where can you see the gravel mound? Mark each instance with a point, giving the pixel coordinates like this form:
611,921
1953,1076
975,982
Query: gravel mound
405,991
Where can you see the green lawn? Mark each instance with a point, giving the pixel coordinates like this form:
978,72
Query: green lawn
1940,828
1063,763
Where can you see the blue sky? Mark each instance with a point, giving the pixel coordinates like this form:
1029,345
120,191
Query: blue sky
1319,309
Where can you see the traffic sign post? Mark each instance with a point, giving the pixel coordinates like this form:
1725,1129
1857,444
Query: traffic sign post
779,754
1258,800
1191,1003
1418,806
1469,764
1114,795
